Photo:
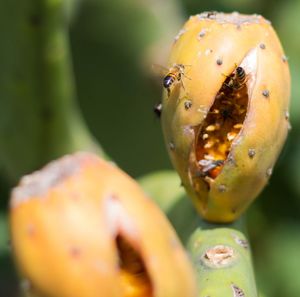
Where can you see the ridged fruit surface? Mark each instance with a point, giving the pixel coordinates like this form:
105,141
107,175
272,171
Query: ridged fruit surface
225,110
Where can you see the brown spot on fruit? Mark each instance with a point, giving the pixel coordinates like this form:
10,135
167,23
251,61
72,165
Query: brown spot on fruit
188,104
262,46
240,241
222,188
211,14
266,93
202,33
208,51
284,58
287,115
251,153
269,172
31,230
237,292
171,146
75,252
219,61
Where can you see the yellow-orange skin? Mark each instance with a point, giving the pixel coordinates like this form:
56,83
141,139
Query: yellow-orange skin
64,245
228,37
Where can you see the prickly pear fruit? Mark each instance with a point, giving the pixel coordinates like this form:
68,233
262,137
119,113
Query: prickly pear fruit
225,110
81,227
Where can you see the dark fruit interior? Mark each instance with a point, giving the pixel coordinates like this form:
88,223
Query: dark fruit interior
134,277
221,126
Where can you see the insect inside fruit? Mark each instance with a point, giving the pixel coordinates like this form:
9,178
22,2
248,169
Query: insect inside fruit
221,126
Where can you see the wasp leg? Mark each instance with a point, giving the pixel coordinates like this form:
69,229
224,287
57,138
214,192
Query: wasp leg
182,84
169,91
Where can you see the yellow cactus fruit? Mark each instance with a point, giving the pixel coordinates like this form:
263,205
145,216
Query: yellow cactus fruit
81,227
225,109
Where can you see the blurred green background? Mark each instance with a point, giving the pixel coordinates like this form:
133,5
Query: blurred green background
113,45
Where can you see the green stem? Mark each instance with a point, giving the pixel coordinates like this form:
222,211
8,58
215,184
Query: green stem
64,130
222,259
220,252
39,117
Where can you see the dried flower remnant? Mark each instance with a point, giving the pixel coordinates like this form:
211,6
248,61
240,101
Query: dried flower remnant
219,256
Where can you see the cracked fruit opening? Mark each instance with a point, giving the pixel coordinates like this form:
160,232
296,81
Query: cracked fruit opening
134,277
221,126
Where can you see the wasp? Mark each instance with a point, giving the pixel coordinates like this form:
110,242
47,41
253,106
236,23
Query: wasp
157,109
237,80
227,112
209,165
224,112
211,13
175,74
172,75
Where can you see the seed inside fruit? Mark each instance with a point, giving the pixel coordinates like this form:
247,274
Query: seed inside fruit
221,126
134,277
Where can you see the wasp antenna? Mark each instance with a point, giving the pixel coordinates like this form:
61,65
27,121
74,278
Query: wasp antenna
158,66
227,76
159,70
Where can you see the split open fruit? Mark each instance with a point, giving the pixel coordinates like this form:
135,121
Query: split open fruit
81,227
225,116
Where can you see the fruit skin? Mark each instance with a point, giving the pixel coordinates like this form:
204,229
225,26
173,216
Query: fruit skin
230,37
64,221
